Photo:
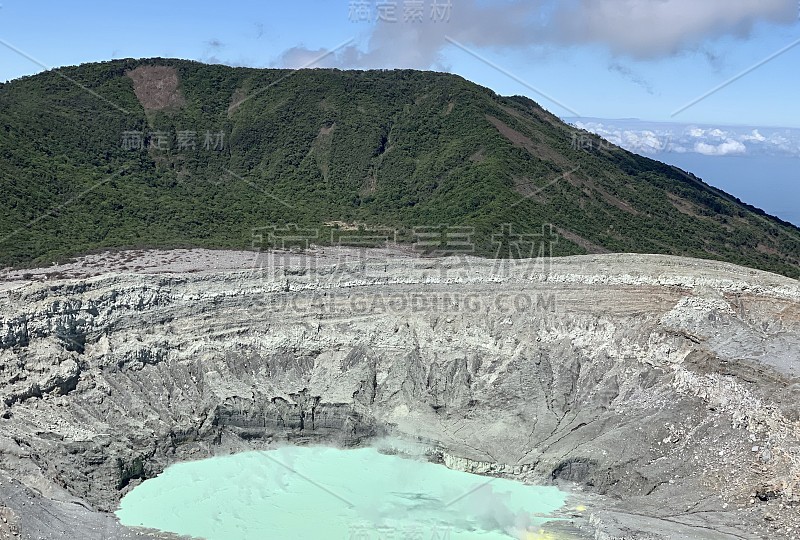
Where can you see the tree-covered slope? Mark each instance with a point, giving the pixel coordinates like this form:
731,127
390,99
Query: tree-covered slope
229,150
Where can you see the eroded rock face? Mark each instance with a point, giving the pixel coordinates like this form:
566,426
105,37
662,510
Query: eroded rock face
666,386
157,87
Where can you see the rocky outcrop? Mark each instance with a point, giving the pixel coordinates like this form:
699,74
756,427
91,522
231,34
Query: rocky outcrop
663,390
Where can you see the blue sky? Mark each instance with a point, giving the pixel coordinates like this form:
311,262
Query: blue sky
586,60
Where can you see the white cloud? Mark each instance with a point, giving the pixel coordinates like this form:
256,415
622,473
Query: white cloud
639,141
660,137
727,148
630,28
653,28
646,142
754,136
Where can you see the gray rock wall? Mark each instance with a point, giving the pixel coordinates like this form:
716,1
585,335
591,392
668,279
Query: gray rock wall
662,390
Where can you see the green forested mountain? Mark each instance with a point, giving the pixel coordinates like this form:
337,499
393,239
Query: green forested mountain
160,152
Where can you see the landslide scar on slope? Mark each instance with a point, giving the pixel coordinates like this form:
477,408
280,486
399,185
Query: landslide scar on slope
321,149
156,87
521,140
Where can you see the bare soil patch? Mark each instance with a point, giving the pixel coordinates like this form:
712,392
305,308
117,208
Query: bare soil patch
157,87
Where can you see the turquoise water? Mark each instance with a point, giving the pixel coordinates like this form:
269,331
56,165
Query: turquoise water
318,492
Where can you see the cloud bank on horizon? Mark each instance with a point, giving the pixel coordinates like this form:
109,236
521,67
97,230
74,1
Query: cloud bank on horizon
639,29
651,138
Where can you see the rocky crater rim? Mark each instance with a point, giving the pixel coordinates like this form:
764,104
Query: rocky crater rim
400,266
666,387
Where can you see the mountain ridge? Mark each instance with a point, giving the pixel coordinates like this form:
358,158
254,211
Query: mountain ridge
214,153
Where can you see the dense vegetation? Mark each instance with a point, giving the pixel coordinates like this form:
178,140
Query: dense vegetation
392,149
